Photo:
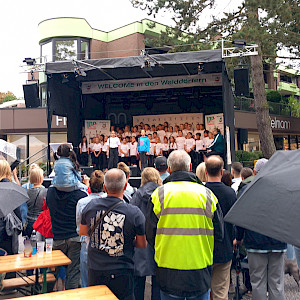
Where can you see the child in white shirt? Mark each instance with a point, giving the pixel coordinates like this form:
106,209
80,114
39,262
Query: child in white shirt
165,147
158,147
151,151
133,151
180,140
124,151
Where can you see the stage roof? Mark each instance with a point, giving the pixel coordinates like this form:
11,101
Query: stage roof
170,64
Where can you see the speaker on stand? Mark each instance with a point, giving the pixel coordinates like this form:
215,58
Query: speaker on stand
31,95
241,82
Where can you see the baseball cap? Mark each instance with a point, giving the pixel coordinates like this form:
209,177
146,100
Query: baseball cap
161,163
260,164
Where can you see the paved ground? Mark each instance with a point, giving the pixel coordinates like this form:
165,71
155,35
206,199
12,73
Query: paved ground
291,291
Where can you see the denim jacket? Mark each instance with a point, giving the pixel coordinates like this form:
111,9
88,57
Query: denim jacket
65,173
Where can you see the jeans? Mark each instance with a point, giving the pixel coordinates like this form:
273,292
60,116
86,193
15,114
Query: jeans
83,265
139,288
120,282
165,296
71,248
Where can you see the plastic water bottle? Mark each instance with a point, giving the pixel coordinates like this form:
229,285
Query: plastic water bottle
33,240
27,247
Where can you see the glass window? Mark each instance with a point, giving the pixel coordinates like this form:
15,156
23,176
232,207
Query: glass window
84,50
285,143
47,51
43,88
293,142
278,140
20,141
66,50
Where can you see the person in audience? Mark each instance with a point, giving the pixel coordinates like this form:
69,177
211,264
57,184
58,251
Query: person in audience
144,264
37,196
67,171
236,169
128,193
227,178
223,250
110,256
201,172
183,254
96,186
162,167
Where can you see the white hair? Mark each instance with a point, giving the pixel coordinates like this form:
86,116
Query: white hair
114,181
179,160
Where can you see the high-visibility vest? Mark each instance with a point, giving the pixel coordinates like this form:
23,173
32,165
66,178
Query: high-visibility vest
185,233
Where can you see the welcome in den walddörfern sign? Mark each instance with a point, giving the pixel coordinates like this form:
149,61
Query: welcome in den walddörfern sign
142,84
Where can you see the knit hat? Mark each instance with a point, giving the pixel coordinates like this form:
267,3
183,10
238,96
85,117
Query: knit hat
260,164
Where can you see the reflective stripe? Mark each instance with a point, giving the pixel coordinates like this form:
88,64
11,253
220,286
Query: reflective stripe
209,201
185,231
161,196
184,211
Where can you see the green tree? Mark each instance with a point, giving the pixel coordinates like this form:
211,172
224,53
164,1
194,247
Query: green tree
271,24
9,98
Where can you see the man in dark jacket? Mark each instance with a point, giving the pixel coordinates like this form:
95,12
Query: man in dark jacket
223,251
265,258
183,217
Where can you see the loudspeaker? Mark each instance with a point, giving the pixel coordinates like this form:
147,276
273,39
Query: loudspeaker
87,171
242,136
134,171
241,82
31,97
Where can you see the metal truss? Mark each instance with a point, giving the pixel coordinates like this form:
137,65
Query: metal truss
239,51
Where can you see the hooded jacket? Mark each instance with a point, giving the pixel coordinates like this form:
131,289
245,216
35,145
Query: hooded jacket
144,264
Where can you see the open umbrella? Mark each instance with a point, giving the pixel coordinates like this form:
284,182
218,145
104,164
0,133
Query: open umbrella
11,197
271,203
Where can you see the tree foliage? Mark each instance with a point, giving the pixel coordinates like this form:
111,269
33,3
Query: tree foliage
8,96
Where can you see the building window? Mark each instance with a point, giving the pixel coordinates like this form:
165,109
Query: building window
46,51
43,89
84,50
65,49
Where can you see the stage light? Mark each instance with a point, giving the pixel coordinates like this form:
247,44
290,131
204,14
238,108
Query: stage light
79,72
147,65
65,78
239,43
29,61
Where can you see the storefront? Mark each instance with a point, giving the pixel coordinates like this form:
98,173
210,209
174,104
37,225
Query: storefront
27,129
286,131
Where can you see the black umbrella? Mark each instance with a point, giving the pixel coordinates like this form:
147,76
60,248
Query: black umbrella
11,197
271,203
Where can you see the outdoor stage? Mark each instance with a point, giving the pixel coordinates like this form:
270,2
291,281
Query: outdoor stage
120,89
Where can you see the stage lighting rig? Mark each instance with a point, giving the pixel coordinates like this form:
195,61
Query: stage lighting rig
149,61
29,61
77,70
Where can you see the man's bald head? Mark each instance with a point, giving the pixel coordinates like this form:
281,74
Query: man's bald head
214,166
114,181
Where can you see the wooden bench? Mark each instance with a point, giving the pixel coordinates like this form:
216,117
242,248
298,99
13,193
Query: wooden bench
101,292
18,282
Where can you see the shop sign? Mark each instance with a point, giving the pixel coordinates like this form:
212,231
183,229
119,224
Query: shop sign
280,124
95,128
142,84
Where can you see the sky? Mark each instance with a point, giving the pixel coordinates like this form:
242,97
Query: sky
19,27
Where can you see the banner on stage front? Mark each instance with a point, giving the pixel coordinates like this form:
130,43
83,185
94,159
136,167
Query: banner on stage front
143,84
96,127
214,121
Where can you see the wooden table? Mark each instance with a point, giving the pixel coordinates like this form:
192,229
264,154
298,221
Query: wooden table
92,292
13,263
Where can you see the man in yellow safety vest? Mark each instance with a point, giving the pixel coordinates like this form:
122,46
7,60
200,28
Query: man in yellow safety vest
183,219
